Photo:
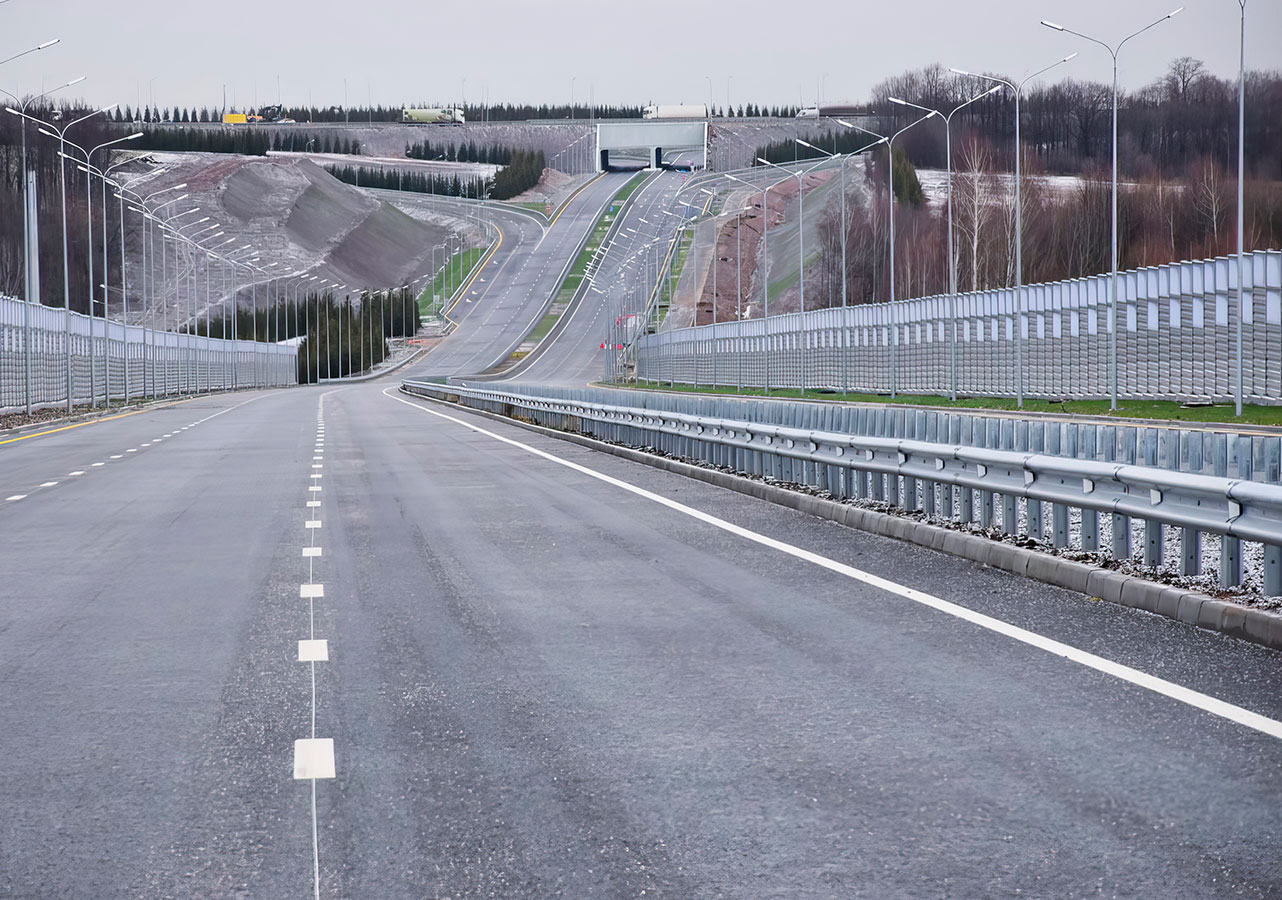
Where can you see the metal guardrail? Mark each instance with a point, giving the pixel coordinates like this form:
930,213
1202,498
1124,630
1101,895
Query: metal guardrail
956,483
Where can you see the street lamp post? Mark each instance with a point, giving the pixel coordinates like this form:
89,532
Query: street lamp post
1112,282
89,169
765,277
845,381
952,266
27,279
890,205
61,134
1018,91
801,256
1241,181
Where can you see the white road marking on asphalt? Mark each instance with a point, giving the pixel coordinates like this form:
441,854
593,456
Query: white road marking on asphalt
77,472
17,497
313,503
315,650
50,484
313,758
311,591
1179,693
118,456
132,450
311,551
314,487
314,523
318,457
317,475
148,444
96,465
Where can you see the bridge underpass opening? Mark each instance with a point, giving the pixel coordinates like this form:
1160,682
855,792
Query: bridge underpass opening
650,141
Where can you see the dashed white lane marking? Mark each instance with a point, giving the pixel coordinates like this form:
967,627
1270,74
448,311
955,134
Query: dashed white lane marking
96,465
1176,692
148,444
311,591
314,487
314,523
317,475
316,650
313,758
118,456
50,484
313,503
318,457
77,472
17,497
311,551
318,465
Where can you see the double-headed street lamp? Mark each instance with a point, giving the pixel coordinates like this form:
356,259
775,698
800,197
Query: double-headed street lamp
88,155
1112,283
952,264
61,134
28,280
843,158
1018,91
801,251
890,204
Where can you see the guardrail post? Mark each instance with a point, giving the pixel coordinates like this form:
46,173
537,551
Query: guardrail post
1190,551
1120,440
1272,570
1154,540
1230,547
1059,524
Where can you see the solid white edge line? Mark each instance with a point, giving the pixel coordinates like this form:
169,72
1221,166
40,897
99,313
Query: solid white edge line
1196,699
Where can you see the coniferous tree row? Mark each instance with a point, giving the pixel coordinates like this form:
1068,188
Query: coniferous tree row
243,140
505,112
520,174
419,182
339,336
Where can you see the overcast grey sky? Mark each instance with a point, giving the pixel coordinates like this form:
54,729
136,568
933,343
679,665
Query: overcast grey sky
401,52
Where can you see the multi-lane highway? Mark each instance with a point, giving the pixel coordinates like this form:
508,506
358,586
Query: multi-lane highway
552,672
573,355
514,288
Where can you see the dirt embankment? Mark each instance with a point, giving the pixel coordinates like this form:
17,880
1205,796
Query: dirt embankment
292,214
738,253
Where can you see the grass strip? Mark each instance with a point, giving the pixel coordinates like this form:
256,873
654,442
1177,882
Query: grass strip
447,281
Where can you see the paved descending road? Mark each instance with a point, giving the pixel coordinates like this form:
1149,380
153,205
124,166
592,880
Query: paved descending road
509,296
542,684
574,355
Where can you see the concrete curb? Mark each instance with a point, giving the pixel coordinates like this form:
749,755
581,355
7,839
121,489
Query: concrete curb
1248,623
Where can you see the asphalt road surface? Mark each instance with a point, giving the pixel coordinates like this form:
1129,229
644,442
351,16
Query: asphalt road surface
554,673
573,356
511,292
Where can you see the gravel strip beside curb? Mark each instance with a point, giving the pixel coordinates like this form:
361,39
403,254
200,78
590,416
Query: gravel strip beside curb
1256,625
